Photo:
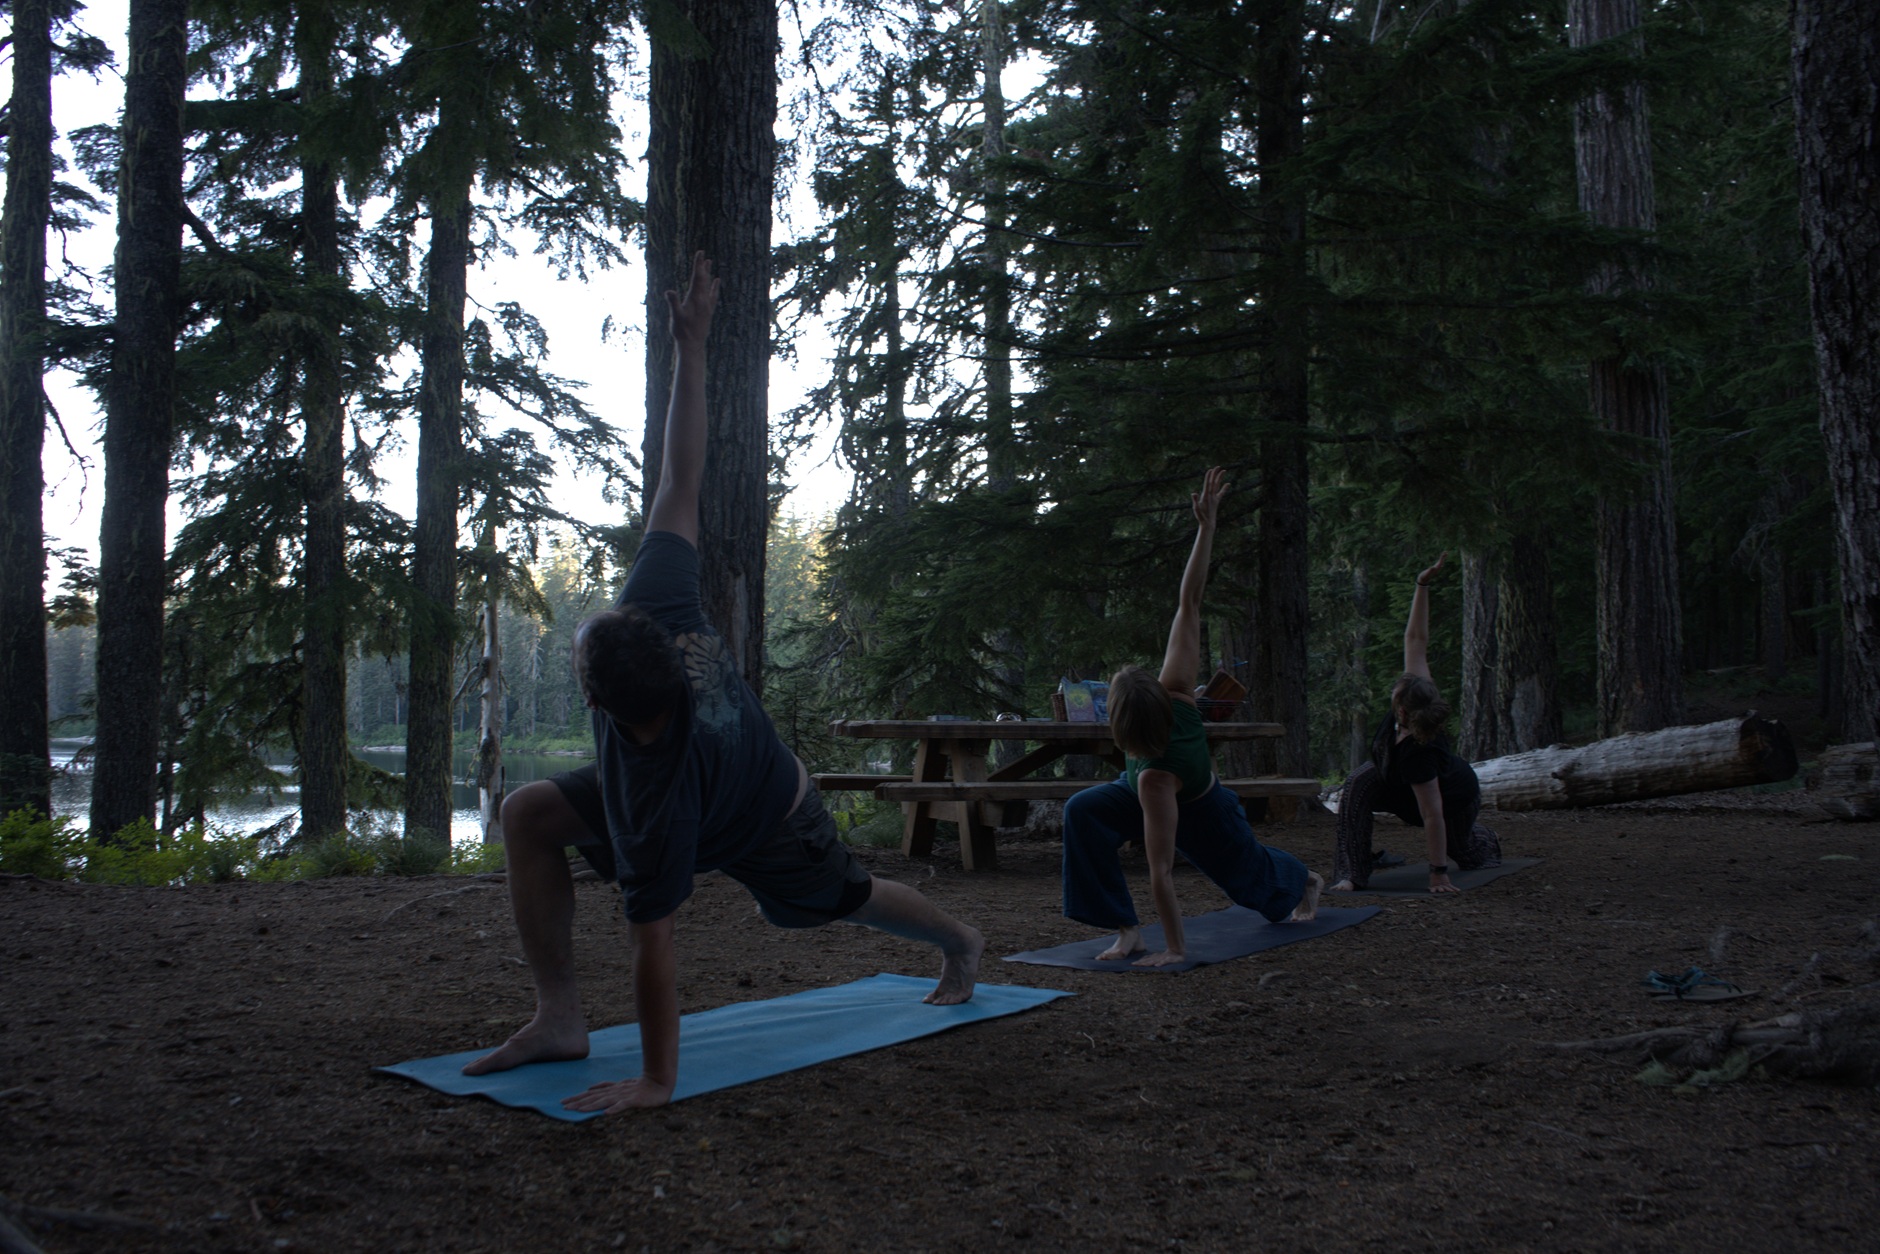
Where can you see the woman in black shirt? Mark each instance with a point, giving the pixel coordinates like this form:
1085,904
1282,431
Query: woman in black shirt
1413,775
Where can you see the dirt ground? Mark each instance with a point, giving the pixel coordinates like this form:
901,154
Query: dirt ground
199,1060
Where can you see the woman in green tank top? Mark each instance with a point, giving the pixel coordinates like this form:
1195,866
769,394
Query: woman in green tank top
1169,798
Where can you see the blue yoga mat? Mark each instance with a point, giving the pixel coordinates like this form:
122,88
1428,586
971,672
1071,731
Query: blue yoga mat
1231,933
738,1043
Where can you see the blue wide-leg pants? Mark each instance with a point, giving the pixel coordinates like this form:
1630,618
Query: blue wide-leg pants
1211,831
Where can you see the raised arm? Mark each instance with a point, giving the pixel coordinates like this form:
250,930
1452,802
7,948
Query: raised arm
682,463
1416,633
1183,656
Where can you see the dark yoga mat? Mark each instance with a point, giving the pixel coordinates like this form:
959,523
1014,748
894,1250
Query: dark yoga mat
1413,879
738,1043
1231,933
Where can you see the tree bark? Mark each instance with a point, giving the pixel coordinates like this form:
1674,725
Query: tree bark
1641,684
434,554
140,399
490,786
1358,745
1527,659
1836,62
1731,753
997,338
324,753
1477,699
711,157
1847,781
25,745
1278,671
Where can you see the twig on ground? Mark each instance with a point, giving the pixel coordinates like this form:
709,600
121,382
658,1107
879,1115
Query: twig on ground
15,1241
455,892
84,1220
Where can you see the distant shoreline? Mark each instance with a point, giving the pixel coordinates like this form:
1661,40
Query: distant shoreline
540,753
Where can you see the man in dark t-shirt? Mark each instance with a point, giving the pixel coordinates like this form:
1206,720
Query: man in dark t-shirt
689,776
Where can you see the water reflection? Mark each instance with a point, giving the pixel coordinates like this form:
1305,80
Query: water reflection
71,788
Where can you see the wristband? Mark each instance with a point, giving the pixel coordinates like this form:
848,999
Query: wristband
1439,869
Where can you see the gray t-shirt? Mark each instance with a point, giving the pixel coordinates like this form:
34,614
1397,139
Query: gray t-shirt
716,781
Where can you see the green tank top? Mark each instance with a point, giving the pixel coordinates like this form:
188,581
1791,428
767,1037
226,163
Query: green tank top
1187,757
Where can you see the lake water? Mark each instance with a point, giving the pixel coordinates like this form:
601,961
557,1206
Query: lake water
71,788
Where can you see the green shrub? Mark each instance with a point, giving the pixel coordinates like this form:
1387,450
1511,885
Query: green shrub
869,822
418,854
476,858
33,845
138,854
336,855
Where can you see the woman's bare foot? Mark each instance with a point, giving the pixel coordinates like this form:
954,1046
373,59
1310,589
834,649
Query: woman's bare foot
1128,945
1308,908
542,1039
1343,886
959,971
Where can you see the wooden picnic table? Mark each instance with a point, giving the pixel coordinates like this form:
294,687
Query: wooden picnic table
953,780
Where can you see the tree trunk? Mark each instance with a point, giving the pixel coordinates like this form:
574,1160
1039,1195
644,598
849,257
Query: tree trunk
324,753
1836,49
1641,684
1477,699
1847,781
140,399
25,747
1278,670
1527,660
711,171
1358,747
997,338
1731,753
490,788
434,555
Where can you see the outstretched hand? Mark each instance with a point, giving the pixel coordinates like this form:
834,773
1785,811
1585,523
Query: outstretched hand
1207,501
692,313
1423,580
638,1093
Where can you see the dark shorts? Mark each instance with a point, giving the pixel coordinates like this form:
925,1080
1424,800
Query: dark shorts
802,875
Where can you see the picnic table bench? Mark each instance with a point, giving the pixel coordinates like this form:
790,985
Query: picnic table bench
953,781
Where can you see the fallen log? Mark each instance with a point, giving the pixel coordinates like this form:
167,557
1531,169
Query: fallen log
1847,782
1726,754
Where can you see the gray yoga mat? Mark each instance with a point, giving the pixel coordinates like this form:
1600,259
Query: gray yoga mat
1231,933
1413,879
736,1044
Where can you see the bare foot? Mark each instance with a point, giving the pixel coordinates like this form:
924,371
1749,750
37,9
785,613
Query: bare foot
959,971
540,1040
1308,908
1342,886
1128,945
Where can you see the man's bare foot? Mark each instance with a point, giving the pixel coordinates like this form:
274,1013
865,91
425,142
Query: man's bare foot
1308,908
959,971
540,1040
1128,945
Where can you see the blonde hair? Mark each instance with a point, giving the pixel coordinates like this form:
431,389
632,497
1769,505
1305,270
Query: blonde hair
1423,705
1142,714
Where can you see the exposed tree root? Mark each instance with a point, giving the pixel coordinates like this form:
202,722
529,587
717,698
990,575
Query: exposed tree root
1839,1046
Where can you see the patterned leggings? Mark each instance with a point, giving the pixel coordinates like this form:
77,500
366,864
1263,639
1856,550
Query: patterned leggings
1470,844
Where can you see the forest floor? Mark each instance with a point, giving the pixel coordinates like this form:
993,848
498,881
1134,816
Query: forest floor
200,1059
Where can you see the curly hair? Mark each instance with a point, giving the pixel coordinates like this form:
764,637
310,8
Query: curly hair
1425,710
627,664
1142,714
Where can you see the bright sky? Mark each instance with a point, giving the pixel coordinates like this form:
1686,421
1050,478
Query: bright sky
571,312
